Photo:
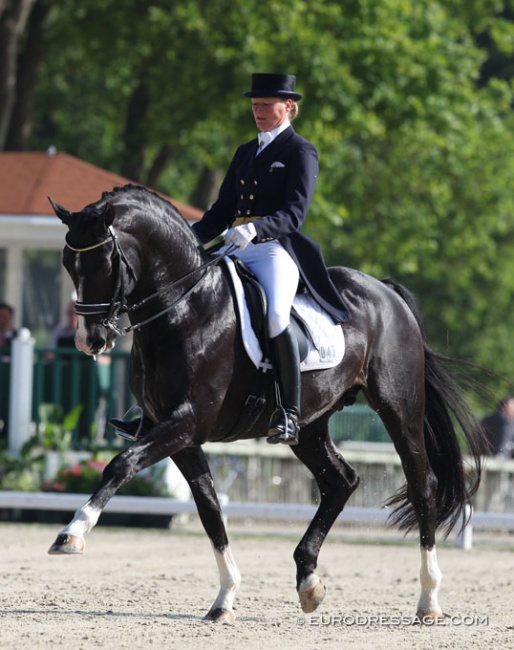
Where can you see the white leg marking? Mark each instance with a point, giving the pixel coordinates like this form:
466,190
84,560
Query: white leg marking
308,582
430,577
83,521
230,579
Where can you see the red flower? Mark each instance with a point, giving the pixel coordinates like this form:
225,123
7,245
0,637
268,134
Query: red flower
97,464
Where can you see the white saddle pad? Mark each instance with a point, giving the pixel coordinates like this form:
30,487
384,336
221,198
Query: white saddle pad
325,338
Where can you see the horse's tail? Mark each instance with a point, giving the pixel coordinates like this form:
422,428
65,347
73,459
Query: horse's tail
445,408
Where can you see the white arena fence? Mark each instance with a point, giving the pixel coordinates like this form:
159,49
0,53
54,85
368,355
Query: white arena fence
257,481
268,511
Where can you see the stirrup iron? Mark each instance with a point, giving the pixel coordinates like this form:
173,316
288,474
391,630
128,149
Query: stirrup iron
131,416
283,427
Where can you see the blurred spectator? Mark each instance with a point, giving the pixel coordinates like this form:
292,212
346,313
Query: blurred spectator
7,331
76,368
499,429
63,335
7,334
77,371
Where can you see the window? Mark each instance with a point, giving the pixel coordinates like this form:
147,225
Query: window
41,292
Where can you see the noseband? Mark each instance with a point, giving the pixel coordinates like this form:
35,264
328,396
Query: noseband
117,307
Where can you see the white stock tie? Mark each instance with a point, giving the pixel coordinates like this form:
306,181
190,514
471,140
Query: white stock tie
264,139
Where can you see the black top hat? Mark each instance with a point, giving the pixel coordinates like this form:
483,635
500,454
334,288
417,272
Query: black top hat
273,85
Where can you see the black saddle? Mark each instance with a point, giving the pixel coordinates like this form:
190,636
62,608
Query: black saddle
257,306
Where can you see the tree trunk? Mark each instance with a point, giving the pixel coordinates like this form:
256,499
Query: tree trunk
206,190
20,128
159,165
135,140
12,24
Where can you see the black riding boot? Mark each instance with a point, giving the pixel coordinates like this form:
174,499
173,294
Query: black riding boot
283,426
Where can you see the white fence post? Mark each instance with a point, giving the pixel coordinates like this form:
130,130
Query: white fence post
464,538
20,397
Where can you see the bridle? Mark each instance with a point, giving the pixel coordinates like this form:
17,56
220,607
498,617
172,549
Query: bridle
118,306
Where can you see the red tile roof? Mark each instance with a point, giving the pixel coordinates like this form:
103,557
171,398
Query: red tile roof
27,179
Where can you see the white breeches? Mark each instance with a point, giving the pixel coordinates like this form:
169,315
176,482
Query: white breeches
278,274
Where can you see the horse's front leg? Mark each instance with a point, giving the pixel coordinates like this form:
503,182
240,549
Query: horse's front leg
119,471
70,540
195,469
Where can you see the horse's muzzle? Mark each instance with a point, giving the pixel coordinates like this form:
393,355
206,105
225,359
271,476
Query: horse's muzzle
94,341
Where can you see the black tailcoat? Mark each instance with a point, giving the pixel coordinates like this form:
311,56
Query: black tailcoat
277,186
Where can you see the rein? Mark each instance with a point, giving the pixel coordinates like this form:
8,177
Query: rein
118,306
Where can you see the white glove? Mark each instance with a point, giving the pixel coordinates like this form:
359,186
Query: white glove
241,236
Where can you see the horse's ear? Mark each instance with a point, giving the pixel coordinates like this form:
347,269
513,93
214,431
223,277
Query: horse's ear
108,214
63,214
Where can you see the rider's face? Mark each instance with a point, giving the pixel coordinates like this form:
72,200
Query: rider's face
270,112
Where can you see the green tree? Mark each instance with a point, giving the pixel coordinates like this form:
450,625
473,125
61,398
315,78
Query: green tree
409,111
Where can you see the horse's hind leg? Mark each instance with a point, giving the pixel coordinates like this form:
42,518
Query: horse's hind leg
416,503
195,469
336,480
421,490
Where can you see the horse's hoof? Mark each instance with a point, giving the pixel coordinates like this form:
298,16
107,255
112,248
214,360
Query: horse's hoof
428,617
311,596
220,616
67,545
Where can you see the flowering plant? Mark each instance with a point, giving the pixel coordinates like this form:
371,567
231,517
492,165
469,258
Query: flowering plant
84,477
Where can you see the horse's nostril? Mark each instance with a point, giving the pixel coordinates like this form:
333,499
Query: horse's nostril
96,344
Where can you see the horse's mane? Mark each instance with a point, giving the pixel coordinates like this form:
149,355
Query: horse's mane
139,197
137,193
131,190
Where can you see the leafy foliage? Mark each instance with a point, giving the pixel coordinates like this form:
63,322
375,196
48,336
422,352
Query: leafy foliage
56,430
23,472
409,103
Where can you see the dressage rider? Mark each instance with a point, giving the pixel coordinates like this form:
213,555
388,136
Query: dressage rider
263,201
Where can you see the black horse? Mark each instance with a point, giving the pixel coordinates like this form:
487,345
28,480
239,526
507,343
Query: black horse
133,252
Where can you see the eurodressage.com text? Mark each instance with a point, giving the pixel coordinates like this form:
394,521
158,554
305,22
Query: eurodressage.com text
391,621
